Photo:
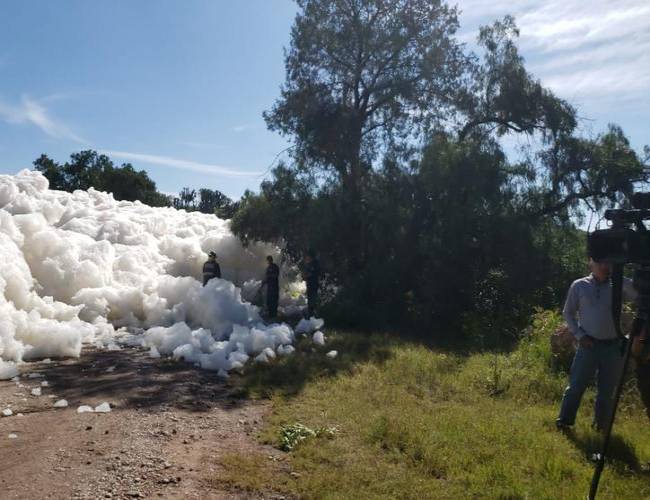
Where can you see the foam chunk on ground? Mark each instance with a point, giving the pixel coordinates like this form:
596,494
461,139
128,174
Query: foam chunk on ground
318,338
61,403
36,391
285,350
266,355
8,370
310,325
7,412
103,408
332,354
85,409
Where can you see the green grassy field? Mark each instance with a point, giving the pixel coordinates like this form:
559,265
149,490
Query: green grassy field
401,420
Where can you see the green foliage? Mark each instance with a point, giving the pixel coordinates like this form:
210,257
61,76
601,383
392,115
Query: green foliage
88,169
281,212
448,242
362,76
355,70
206,201
527,373
423,423
598,172
293,434
451,234
504,97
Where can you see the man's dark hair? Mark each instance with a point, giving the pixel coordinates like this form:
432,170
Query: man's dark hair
269,258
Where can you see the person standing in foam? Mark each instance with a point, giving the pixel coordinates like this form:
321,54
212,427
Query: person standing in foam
211,268
271,280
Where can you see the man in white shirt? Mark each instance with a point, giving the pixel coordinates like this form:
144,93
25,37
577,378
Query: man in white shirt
588,312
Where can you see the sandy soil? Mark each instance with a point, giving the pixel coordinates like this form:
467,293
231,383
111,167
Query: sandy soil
169,426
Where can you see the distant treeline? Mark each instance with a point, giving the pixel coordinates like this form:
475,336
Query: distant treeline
87,169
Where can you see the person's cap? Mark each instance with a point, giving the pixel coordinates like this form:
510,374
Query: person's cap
212,254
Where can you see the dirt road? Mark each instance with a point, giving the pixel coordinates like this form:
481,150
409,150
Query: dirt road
168,428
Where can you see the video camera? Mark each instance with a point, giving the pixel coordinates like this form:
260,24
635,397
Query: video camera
627,241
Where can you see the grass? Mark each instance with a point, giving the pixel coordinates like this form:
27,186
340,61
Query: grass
412,422
255,473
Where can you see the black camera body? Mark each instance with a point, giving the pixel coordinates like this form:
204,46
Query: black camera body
619,245
627,241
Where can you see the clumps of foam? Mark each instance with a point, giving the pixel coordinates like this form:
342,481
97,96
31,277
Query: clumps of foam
200,346
83,267
318,338
306,326
8,370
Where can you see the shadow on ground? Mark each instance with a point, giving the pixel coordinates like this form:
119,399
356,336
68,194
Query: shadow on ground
289,375
134,380
621,454
130,378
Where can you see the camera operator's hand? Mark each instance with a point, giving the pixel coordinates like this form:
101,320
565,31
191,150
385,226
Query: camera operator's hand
586,342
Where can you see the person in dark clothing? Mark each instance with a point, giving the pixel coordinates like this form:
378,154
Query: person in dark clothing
311,275
271,280
211,268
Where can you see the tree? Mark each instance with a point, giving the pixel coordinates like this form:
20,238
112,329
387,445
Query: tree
574,172
52,171
363,76
281,213
186,200
504,97
88,169
215,202
453,233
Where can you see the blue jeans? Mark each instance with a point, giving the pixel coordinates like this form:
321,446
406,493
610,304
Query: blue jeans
603,359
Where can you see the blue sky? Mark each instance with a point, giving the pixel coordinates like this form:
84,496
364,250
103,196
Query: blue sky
178,87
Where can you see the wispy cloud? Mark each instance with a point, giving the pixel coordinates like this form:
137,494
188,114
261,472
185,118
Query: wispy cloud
32,112
583,50
203,168
200,145
244,127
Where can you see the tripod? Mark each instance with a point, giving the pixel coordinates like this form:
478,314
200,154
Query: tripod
642,286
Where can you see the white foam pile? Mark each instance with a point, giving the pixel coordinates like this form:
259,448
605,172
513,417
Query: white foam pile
83,267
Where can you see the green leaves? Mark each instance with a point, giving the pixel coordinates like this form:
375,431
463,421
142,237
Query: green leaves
88,169
360,70
503,97
291,435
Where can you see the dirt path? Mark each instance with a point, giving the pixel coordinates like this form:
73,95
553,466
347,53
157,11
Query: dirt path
169,426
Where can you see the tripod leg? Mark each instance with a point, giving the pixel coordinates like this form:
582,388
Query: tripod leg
600,463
